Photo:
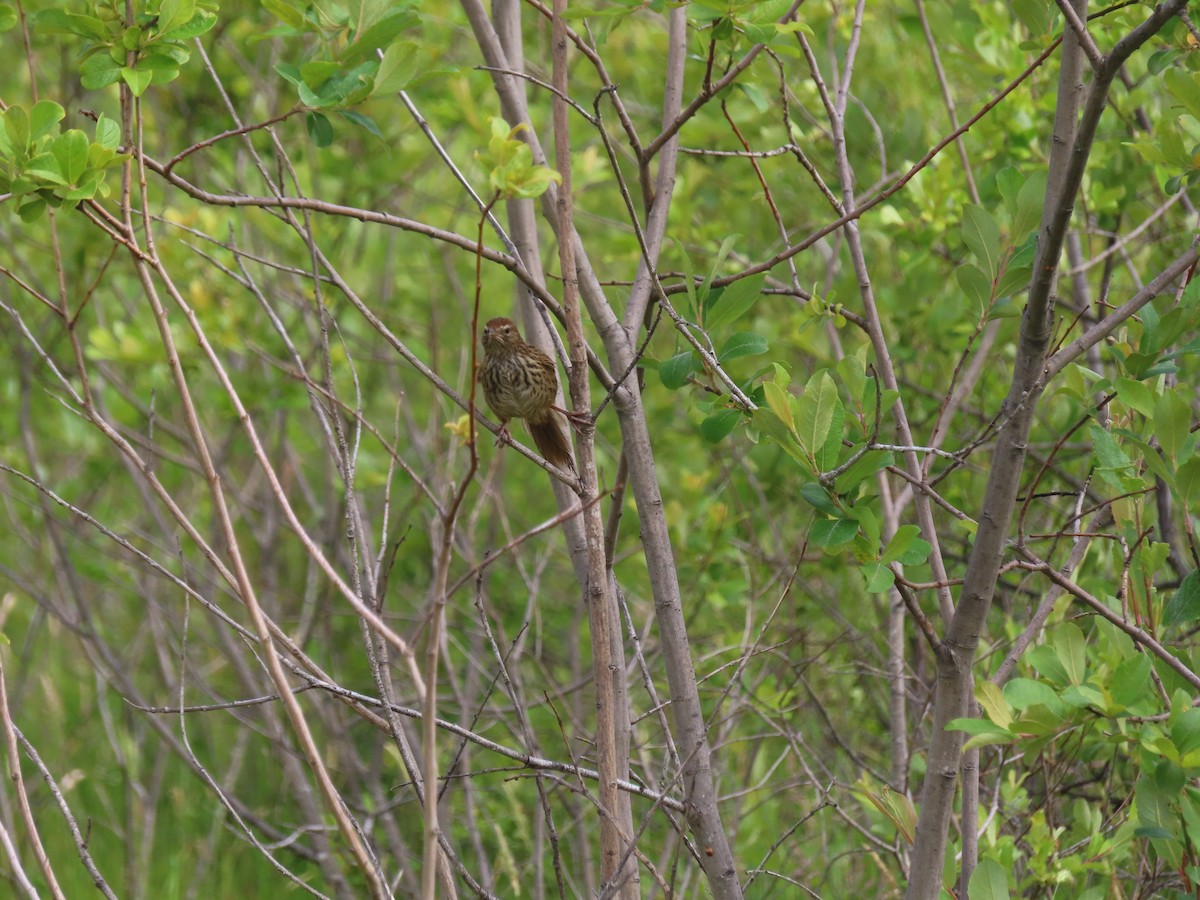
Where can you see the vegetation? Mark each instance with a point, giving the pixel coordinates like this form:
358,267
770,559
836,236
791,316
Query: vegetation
877,571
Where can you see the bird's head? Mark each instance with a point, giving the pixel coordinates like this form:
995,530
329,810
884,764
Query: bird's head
500,334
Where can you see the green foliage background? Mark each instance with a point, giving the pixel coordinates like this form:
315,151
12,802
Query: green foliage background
1090,755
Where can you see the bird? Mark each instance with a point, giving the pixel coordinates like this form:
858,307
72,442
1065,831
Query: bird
519,381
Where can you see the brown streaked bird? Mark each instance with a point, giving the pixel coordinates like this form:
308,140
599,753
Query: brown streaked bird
519,382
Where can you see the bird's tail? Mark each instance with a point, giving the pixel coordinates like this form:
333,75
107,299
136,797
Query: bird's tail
550,435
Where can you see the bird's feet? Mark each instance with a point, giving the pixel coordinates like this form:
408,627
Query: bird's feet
502,436
579,420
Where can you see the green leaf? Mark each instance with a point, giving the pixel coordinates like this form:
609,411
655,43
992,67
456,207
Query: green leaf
733,301
743,343
989,881
993,702
864,467
717,427
780,403
1071,650
975,726
1161,60
362,121
99,71
981,728
1185,731
137,79
816,412
981,234
291,73
58,20
1008,183
770,424
1185,88
174,13
828,455
86,187
46,167
108,133
43,117
907,547
319,129
1113,462
1184,607
71,151
1004,309
1023,693
1130,684
8,18
131,39
782,376
379,35
820,499
869,524
989,737
1136,395
1030,200
1034,15
899,809
201,21
318,71
17,127
286,12
1172,423
1080,696
31,210
1013,280
159,64
1046,661
1040,720
832,532
853,369
674,371
399,66
974,284
1187,481
879,577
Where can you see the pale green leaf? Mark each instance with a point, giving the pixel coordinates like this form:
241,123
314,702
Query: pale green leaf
780,403
832,532
674,371
399,66
991,699
733,302
816,411
742,343
1030,200
989,881
1172,422
1137,395
1071,649
43,117
982,235
137,79
976,285
717,427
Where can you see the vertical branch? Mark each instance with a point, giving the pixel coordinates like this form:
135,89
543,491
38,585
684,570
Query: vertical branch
14,774
522,221
617,866
956,654
432,864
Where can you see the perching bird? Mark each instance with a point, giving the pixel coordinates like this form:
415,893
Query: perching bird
519,382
